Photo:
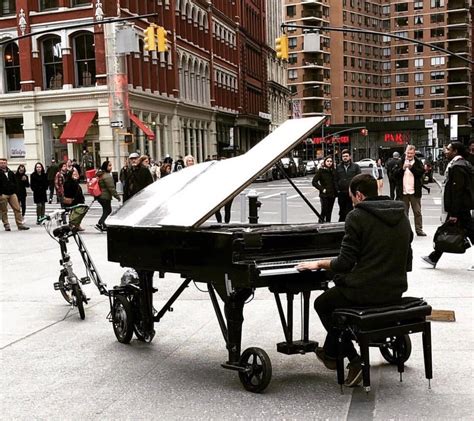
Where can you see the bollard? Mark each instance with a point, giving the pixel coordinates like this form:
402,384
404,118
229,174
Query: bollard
254,204
243,209
284,207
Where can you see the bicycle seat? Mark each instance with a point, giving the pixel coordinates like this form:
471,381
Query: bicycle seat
62,231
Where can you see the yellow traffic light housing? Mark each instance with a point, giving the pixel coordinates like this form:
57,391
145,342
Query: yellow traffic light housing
150,39
162,40
281,47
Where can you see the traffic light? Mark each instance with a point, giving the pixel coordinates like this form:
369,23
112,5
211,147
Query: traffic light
150,39
364,132
162,40
281,47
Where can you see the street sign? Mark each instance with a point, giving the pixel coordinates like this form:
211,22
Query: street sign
428,123
116,124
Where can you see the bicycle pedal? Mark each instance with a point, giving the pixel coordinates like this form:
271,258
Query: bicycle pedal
56,286
86,280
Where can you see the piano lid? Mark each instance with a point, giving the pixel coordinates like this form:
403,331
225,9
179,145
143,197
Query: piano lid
189,197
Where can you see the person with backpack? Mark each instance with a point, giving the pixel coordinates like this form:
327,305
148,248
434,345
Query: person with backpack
389,166
107,187
458,195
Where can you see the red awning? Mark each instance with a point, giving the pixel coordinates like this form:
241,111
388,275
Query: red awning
142,126
76,128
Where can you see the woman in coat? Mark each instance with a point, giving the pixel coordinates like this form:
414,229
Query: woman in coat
378,173
39,185
325,181
22,183
73,194
107,185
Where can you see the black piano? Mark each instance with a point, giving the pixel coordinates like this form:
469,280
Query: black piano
163,229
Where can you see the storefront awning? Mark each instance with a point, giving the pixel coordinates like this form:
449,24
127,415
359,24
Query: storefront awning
76,128
142,126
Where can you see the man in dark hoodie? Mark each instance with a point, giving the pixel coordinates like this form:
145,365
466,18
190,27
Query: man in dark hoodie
370,270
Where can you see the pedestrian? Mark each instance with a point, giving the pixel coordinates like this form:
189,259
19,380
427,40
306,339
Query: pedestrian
470,148
227,212
137,177
391,163
107,186
378,173
189,160
73,194
367,271
324,181
165,169
22,183
409,177
39,185
51,172
155,170
59,182
457,199
8,191
178,164
76,165
345,172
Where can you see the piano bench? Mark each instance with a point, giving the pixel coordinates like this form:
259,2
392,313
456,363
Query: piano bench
387,327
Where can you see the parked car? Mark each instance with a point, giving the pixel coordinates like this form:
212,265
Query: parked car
289,165
366,163
311,166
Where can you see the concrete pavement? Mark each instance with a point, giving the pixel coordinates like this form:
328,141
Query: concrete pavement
55,366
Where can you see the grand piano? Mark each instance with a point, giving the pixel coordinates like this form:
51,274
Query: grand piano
164,229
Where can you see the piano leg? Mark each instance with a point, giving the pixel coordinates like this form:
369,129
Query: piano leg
146,303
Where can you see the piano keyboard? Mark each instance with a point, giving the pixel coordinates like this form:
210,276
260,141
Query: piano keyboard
284,267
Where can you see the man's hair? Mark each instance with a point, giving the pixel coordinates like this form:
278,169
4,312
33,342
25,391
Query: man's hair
471,142
345,151
3,159
459,148
411,147
364,183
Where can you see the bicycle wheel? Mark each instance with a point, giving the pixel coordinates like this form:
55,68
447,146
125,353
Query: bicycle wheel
77,291
65,288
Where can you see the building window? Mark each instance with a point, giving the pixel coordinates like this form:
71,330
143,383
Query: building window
437,3
48,4
292,58
401,49
387,107
418,48
418,20
418,77
7,7
401,7
418,34
401,92
401,78
11,62
84,60
437,32
401,64
419,91
401,105
437,75
437,61
52,63
437,103
291,11
80,3
292,42
292,74
437,18
15,137
437,116
418,62
418,5
403,21
437,90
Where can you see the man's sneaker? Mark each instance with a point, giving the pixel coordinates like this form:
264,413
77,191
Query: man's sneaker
421,234
428,260
354,376
7,227
23,228
99,227
329,363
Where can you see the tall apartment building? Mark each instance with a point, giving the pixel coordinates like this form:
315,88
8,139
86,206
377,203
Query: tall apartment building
388,85
58,87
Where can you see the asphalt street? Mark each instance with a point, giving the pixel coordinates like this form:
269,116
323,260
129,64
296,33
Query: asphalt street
57,367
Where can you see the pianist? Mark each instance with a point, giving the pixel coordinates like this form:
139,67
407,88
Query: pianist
371,268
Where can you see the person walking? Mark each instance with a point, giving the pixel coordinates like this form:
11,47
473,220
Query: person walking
59,182
325,182
409,176
22,183
39,184
73,194
456,195
137,177
378,173
107,186
389,166
51,172
8,189
470,149
345,172
367,270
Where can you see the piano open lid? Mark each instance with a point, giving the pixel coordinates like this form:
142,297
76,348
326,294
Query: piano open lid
189,197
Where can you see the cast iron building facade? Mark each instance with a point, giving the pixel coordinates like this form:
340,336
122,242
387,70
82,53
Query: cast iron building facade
206,96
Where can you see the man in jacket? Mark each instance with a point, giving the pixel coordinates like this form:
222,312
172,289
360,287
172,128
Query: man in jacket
389,166
369,269
8,189
408,174
456,194
51,174
137,177
345,172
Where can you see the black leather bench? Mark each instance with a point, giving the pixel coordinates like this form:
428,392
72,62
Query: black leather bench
387,327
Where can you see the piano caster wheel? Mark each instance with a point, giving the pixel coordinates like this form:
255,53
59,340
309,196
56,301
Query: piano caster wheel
256,369
388,350
141,334
122,319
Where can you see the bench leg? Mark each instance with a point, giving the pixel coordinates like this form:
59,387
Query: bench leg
364,355
340,360
427,352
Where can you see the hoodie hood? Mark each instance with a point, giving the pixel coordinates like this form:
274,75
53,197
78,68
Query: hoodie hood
390,212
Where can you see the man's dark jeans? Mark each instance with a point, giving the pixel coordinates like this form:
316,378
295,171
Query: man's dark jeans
345,205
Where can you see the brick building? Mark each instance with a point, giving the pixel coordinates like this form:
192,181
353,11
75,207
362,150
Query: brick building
59,88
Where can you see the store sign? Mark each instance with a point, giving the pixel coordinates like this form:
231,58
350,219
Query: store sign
399,138
17,148
331,139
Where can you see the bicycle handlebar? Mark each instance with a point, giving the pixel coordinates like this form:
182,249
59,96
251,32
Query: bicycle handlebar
58,212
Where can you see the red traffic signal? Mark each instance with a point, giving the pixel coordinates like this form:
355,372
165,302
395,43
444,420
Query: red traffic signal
364,132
